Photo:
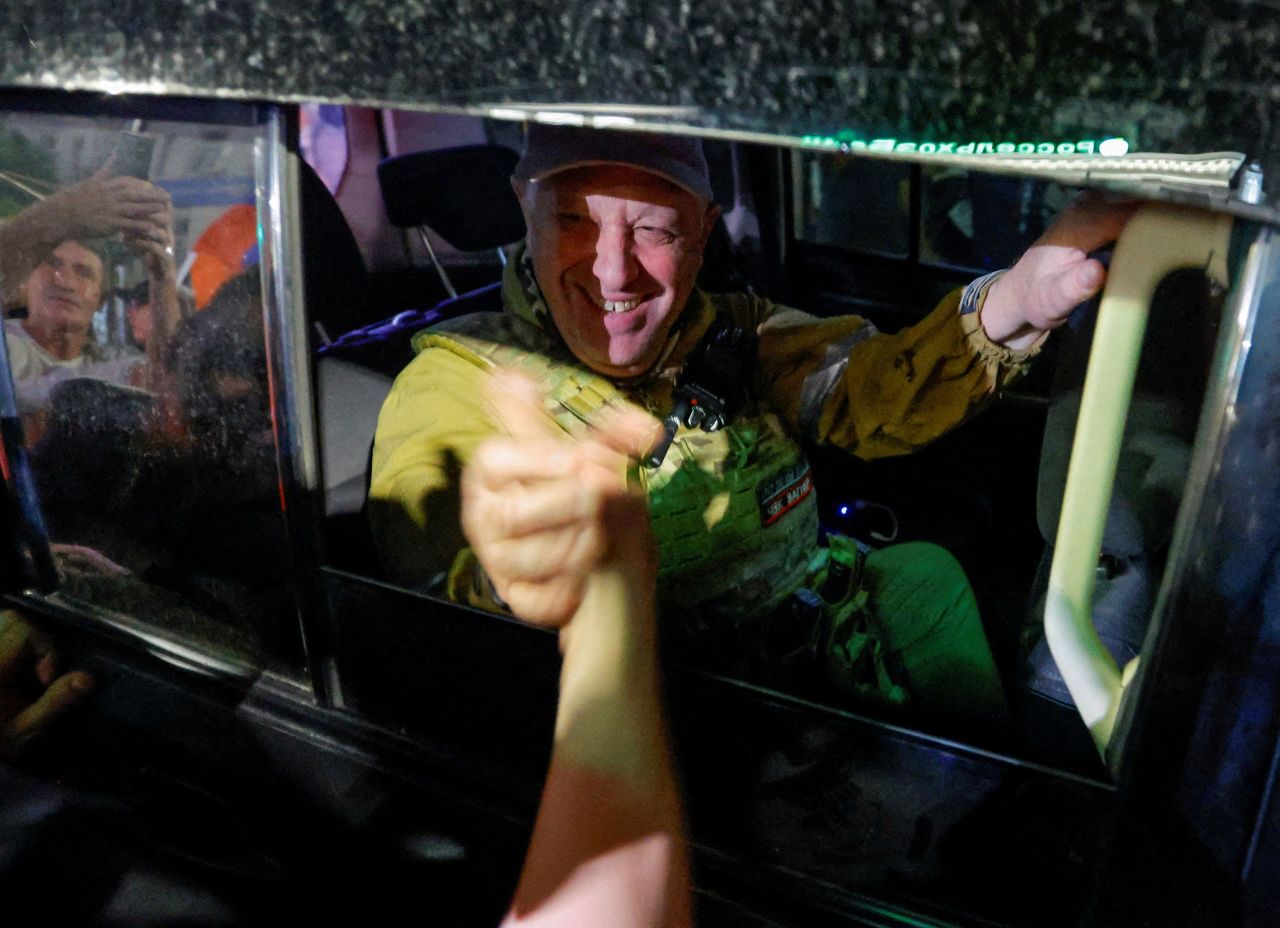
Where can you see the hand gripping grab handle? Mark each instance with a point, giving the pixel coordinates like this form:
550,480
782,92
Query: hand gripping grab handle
1157,240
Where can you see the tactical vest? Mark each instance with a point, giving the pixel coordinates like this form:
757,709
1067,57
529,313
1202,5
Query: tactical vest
733,511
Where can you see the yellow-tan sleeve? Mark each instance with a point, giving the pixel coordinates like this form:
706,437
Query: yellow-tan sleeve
429,427
838,381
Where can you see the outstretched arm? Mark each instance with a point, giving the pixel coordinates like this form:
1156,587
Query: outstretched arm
839,382
608,845
155,250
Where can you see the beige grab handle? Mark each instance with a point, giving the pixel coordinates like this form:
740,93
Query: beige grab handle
1157,240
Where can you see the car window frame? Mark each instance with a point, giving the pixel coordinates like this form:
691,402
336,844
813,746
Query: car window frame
273,127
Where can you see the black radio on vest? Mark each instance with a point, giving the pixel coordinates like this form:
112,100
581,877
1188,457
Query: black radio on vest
712,384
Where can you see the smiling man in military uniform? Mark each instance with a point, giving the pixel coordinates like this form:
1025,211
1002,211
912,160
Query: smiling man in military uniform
602,312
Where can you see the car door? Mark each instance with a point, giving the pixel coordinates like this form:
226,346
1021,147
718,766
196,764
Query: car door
157,528
374,687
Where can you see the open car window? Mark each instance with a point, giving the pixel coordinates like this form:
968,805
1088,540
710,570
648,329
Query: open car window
134,325
168,517
892,240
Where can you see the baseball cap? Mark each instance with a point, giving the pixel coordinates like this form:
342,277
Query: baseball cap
550,149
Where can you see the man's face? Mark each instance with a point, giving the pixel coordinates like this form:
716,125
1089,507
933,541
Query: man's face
615,251
65,289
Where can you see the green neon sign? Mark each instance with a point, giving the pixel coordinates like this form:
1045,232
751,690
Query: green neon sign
846,142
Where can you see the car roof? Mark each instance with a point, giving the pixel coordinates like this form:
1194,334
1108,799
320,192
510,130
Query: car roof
926,83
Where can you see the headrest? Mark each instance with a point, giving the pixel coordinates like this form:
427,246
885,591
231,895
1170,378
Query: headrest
462,194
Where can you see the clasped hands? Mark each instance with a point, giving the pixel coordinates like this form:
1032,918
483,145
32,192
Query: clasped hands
542,511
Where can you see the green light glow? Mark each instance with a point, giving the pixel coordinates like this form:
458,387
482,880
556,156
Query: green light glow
847,141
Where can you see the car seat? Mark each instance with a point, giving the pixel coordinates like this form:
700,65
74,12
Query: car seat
464,196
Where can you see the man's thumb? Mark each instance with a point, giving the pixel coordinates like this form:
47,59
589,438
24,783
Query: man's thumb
628,430
1071,287
518,402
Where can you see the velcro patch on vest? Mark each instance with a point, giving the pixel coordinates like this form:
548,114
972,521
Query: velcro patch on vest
783,492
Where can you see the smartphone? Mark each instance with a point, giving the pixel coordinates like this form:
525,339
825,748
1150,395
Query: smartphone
132,156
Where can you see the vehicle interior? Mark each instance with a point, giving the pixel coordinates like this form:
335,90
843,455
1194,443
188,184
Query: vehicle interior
828,234
419,728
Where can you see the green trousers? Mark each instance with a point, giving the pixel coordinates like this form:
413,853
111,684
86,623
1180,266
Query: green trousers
928,628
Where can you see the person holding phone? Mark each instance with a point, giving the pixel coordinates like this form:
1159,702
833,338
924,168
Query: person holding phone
52,262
